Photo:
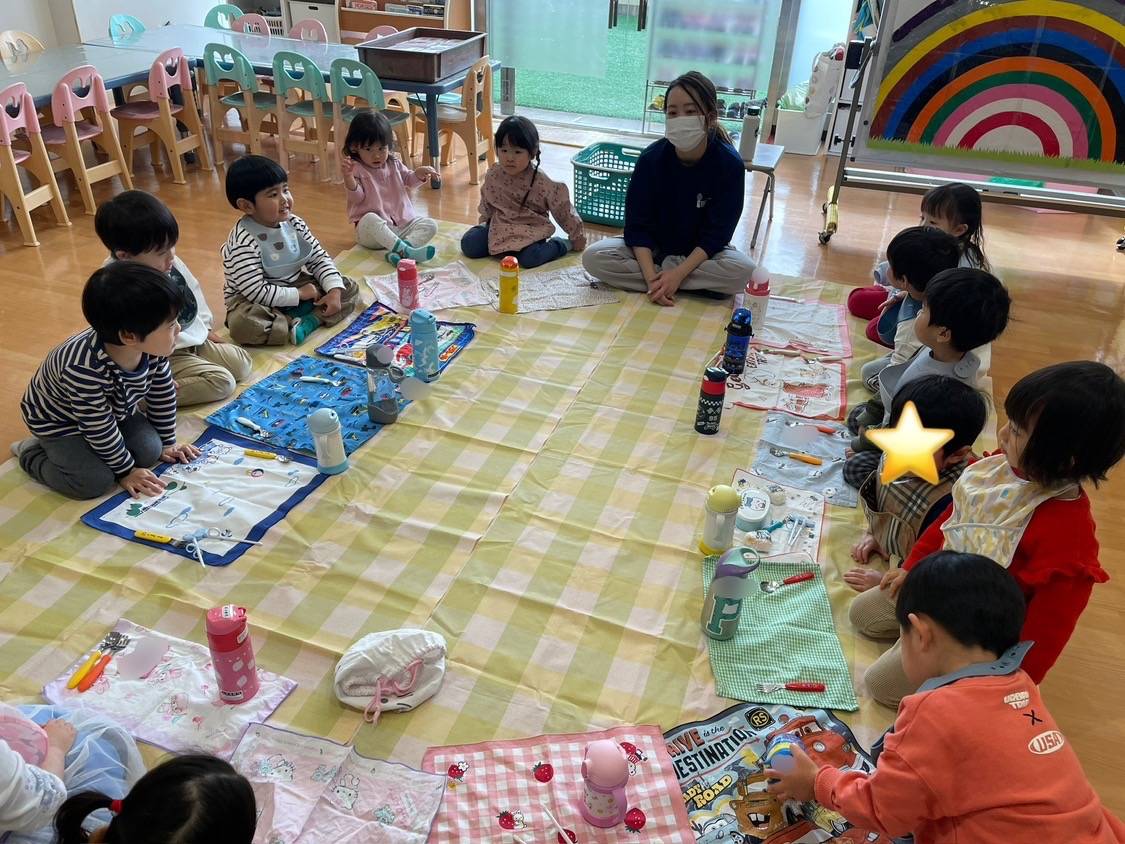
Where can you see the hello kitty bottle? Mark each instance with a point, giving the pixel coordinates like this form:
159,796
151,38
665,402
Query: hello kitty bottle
605,771
232,654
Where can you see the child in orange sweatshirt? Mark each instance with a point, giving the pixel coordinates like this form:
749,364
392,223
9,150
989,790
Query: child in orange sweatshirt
974,756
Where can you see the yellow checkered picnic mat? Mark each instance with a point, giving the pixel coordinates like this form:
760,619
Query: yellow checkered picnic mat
540,509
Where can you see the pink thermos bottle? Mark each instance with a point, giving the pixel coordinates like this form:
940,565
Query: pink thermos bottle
605,770
232,654
408,284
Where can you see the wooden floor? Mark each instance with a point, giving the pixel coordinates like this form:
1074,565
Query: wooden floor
1067,282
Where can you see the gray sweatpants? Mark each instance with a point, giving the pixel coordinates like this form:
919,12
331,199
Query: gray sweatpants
68,464
612,262
373,232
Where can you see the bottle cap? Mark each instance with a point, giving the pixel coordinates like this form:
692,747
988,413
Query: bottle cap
509,263
738,562
723,498
605,764
379,354
324,421
741,318
407,268
714,373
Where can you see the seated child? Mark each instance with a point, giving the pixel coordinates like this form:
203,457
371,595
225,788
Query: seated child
280,283
974,756
136,226
378,186
514,203
47,752
185,800
898,512
83,404
915,256
961,310
1026,509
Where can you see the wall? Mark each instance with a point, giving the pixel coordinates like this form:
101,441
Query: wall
821,24
93,15
32,16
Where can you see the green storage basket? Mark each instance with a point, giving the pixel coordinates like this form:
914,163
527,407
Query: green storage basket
601,177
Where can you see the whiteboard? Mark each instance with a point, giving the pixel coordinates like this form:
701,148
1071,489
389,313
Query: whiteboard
1032,89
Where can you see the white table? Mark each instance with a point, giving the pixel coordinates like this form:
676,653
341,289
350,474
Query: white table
766,159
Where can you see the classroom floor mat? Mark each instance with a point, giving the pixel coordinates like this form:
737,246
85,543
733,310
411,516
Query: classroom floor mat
719,764
311,790
785,435
217,507
176,705
504,788
537,510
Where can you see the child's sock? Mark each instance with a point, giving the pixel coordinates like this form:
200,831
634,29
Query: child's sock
402,249
301,328
20,446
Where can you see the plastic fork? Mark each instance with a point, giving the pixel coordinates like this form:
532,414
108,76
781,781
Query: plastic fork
769,586
793,686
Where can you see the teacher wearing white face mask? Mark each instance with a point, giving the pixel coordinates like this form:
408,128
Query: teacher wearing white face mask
683,203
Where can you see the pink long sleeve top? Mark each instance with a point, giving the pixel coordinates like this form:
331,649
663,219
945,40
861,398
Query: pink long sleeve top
512,225
384,191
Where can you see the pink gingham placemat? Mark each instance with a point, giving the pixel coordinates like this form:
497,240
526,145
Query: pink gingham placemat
497,789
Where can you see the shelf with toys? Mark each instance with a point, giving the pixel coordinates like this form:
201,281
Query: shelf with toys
733,104
365,15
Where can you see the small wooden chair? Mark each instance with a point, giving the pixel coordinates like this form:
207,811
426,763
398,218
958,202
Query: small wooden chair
356,81
294,72
224,63
309,29
17,112
16,44
157,117
471,120
80,109
222,16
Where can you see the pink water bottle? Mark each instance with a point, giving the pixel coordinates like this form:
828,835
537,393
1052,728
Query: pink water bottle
408,284
232,654
605,770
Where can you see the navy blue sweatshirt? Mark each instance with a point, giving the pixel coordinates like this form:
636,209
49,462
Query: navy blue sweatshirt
672,208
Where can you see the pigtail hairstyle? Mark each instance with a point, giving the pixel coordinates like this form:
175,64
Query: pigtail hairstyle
186,800
521,133
702,92
960,204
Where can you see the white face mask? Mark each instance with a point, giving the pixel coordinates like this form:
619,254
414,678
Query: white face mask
685,133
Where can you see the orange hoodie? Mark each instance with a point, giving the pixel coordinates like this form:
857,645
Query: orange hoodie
979,761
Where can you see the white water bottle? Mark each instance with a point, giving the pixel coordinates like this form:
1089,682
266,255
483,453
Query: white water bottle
748,142
757,299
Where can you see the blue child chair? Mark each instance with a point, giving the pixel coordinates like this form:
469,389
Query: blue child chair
121,27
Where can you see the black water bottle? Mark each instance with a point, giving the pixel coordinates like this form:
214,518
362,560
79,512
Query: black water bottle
711,395
739,332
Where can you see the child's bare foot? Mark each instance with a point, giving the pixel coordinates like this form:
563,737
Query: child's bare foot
862,550
862,578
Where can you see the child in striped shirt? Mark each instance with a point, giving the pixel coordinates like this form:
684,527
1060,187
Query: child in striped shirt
280,285
83,404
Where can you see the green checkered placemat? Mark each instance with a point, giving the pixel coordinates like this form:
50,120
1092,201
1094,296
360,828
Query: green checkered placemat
784,636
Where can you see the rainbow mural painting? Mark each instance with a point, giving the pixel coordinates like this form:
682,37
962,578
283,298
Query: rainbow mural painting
1040,78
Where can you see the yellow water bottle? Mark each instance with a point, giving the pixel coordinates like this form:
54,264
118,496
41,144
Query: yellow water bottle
509,285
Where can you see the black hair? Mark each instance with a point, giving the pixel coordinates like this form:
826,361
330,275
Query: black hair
129,296
1074,414
944,402
972,304
517,131
184,800
702,92
250,175
961,205
919,253
368,128
974,599
135,222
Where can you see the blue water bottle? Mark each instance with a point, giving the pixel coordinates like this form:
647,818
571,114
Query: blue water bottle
423,338
739,332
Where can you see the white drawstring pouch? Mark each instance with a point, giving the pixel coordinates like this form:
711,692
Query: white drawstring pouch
394,670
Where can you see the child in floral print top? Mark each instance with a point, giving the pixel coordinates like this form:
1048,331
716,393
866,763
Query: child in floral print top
515,202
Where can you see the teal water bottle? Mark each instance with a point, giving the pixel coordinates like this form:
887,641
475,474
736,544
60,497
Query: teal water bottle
424,340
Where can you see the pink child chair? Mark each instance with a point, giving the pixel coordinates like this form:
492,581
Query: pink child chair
253,24
81,111
17,112
157,117
380,31
311,30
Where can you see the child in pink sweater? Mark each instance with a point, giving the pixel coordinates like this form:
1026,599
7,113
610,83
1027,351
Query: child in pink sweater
379,186
974,756
515,201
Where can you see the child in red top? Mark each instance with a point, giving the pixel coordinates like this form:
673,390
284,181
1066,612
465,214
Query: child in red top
974,756
1025,506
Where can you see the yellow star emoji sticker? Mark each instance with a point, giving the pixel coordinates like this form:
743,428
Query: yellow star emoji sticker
908,447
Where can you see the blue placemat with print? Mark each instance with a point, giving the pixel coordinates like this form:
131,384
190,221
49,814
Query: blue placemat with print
382,325
275,411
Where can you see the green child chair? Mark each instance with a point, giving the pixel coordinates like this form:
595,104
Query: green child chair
122,27
222,16
222,63
294,72
356,81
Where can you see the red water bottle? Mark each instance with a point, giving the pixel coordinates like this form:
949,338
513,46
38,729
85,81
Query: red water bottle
232,654
408,284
